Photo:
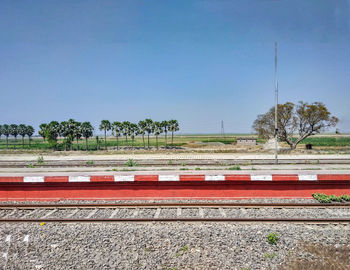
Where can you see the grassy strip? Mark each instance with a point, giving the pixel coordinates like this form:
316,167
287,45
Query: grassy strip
323,198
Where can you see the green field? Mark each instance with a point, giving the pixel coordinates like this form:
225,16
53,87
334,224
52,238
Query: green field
327,141
179,140
40,144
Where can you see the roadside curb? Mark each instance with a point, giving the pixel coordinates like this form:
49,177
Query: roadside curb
200,178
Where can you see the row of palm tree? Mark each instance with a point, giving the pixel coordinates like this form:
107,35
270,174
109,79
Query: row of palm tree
143,127
15,130
70,130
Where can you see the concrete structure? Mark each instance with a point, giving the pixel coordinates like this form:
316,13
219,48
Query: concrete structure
246,141
225,186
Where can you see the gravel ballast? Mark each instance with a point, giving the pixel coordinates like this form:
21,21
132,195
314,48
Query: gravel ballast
158,245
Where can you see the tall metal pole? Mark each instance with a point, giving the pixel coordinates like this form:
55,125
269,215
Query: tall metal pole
276,104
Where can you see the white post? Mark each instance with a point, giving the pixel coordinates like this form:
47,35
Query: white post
276,104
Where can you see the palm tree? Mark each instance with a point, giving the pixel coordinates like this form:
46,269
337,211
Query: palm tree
116,129
149,128
71,130
126,130
30,131
142,130
173,127
157,131
87,131
6,131
14,130
77,132
64,133
165,127
105,125
133,132
42,130
22,130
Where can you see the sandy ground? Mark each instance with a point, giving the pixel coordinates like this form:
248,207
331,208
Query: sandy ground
101,171
181,156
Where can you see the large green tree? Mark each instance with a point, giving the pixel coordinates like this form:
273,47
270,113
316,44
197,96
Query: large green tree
52,133
106,126
117,128
42,130
22,130
86,130
295,122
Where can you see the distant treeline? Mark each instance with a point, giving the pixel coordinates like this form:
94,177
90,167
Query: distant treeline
72,130
15,130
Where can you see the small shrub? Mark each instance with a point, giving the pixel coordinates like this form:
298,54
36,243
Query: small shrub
90,162
40,160
235,168
322,198
30,165
170,162
197,169
184,249
183,164
131,163
270,255
272,238
345,197
335,198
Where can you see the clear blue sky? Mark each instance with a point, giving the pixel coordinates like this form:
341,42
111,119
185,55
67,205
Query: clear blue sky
199,61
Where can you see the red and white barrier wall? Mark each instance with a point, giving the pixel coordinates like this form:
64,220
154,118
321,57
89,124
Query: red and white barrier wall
171,186
175,178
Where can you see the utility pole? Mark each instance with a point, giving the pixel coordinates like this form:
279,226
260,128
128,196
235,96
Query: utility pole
222,129
276,105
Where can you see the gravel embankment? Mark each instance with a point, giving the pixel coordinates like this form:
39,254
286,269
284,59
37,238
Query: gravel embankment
158,245
262,200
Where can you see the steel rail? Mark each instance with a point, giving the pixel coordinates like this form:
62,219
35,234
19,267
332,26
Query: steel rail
238,220
175,204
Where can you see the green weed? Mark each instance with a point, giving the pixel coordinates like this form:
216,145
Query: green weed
270,255
131,163
272,238
235,168
40,160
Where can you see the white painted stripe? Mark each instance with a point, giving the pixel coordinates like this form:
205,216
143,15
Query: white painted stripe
215,178
307,177
167,177
26,238
123,178
79,179
33,179
261,177
8,238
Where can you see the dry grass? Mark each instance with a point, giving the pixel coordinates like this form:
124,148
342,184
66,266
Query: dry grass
318,257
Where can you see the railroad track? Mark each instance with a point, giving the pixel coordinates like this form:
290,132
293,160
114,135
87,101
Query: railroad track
165,162
181,212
